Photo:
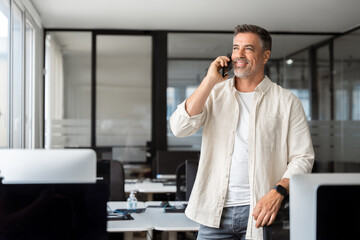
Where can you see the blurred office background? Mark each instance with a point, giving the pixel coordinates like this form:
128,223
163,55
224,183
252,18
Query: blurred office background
108,74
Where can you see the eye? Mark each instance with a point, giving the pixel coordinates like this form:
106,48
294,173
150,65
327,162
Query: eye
249,48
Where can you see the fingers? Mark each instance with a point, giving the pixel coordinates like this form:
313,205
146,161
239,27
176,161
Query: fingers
264,219
264,215
272,219
259,220
256,212
213,73
222,61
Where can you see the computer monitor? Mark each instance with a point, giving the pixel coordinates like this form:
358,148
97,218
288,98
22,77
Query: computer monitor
53,211
168,161
19,166
324,206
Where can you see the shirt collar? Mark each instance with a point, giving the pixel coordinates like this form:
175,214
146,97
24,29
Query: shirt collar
262,87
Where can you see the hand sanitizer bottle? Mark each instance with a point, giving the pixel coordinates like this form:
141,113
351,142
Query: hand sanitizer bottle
131,203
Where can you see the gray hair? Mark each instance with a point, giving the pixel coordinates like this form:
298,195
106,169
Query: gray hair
265,38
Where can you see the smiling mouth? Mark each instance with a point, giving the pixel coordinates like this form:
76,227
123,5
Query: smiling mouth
240,63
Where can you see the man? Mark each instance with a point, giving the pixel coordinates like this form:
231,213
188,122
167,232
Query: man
255,138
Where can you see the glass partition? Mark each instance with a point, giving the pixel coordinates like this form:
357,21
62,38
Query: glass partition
324,82
346,139
67,89
336,141
123,95
347,77
183,79
297,78
275,71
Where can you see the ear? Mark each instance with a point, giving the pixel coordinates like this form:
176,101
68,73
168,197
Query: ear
266,56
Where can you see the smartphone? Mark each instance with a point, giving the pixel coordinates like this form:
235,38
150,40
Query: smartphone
227,69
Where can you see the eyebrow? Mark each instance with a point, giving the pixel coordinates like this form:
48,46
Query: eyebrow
248,45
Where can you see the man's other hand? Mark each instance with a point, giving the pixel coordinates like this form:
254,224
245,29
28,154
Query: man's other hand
266,208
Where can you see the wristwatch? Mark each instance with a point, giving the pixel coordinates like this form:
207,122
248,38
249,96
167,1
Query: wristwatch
280,189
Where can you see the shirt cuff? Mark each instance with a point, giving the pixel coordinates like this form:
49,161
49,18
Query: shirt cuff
185,114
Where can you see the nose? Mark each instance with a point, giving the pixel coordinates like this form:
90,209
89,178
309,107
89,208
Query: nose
240,53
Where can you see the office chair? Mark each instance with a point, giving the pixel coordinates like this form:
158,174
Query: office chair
279,229
112,173
191,167
180,182
117,181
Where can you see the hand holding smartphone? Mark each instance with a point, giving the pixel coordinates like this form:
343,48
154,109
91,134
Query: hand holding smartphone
227,69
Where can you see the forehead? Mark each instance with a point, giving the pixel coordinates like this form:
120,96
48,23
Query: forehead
248,38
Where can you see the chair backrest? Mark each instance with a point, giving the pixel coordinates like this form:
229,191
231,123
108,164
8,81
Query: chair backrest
103,174
117,181
279,229
191,167
180,182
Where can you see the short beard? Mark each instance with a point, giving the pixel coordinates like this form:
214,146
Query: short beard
243,74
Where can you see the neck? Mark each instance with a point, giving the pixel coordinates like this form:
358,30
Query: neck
247,84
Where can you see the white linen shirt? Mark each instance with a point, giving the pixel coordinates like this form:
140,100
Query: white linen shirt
279,146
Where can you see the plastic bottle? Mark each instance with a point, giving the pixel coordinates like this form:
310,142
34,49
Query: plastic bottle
131,201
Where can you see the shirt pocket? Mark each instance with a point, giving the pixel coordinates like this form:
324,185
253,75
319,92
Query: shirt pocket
269,132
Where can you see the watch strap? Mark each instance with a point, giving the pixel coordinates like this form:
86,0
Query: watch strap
280,189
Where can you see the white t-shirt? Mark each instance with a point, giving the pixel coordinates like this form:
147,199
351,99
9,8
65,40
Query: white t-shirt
238,193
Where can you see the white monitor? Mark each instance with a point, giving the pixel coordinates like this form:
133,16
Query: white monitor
18,166
324,206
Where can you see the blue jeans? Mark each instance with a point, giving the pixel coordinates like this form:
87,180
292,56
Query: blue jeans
233,225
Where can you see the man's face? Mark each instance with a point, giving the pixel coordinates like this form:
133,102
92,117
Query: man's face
248,56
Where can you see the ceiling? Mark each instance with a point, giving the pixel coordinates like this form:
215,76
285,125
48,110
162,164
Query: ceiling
306,16
276,15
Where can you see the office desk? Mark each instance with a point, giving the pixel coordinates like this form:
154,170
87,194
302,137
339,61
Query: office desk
149,188
142,222
152,218
171,222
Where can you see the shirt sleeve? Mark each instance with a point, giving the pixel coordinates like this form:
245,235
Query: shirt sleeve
300,149
182,124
